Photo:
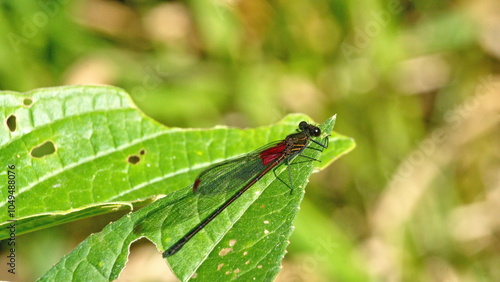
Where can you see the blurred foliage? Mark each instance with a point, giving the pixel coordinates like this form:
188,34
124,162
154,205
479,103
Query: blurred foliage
414,82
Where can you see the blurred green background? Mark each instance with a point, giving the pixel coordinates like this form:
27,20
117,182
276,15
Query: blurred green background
415,83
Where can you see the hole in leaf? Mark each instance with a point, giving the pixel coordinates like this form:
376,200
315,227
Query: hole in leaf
27,102
12,123
133,159
43,150
142,152
140,249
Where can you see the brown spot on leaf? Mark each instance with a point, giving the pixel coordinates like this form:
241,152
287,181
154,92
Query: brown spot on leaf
225,251
133,159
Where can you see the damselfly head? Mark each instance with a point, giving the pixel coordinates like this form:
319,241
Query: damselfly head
310,129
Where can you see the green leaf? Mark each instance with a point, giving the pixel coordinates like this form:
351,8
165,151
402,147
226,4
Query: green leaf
103,154
94,131
248,240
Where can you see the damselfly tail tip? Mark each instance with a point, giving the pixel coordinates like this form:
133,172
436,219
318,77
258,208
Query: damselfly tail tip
169,253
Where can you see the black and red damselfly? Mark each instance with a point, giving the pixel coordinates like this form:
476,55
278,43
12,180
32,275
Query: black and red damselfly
244,171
